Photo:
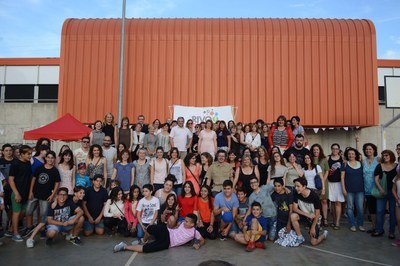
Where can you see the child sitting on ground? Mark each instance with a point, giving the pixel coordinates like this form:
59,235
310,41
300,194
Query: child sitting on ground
254,229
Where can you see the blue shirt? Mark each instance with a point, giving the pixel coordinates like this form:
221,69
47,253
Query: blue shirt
221,202
354,178
369,177
83,181
262,221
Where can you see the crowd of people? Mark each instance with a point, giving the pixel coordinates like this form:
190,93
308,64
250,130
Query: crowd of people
178,183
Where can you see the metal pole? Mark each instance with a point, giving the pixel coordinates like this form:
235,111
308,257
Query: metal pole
121,66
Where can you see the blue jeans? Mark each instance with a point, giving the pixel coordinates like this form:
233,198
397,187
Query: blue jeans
140,232
355,199
380,213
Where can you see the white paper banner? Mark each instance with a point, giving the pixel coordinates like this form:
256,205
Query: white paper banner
200,114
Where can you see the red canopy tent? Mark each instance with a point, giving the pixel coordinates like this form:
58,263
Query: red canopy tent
66,128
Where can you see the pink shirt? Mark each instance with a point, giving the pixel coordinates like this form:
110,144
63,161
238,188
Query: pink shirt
182,235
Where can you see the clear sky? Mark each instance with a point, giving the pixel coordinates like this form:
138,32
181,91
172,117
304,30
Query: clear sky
32,28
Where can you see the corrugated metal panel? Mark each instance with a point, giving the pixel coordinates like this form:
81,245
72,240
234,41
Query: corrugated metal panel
323,70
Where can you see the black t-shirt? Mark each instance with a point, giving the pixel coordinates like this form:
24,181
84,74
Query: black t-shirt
335,166
282,202
22,173
389,175
299,154
45,182
95,200
309,204
62,213
5,166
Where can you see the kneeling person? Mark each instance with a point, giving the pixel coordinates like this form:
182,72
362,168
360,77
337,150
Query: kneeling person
167,238
254,229
64,216
307,208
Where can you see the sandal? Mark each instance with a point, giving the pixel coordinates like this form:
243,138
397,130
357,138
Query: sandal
336,227
325,223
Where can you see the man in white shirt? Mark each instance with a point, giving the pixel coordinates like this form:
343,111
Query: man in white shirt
81,153
110,153
181,138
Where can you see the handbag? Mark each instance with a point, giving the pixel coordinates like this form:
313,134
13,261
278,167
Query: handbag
123,224
375,190
317,180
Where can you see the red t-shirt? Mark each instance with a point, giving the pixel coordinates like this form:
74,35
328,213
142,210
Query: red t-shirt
188,205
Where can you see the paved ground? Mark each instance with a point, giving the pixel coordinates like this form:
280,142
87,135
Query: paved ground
341,248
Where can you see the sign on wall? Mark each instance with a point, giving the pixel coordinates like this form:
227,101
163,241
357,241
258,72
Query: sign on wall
200,114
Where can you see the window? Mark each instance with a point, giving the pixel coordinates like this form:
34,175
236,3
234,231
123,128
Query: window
19,93
381,95
48,93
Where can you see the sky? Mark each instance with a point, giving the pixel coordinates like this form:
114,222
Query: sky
32,28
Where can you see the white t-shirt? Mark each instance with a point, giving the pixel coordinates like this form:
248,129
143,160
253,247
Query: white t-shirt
310,175
109,154
80,156
148,208
180,136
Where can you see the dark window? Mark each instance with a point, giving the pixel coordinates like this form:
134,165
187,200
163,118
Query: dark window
48,93
381,95
19,93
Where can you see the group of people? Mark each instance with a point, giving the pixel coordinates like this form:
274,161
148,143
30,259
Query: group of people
183,183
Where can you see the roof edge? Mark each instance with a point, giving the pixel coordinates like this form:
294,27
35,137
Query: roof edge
388,62
32,61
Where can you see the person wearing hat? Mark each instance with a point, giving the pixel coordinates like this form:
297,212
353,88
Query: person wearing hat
81,179
226,206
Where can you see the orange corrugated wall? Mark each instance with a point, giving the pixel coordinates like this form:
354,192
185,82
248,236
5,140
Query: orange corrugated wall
323,70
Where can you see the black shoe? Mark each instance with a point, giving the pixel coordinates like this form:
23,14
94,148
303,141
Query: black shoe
49,241
376,234
27,232
370,231
391,236
76,240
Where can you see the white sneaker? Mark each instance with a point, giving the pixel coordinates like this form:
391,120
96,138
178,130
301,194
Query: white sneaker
353,229
361,228
68,237
135,242
299,240
120,247
325,233
30,243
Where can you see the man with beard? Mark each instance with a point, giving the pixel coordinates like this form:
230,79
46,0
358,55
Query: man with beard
299,150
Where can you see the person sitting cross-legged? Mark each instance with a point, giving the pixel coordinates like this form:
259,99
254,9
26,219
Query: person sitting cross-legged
254,229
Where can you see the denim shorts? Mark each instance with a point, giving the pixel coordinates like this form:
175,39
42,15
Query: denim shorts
90,227
60,228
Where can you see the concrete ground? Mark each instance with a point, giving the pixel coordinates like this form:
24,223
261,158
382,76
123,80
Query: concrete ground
342,247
